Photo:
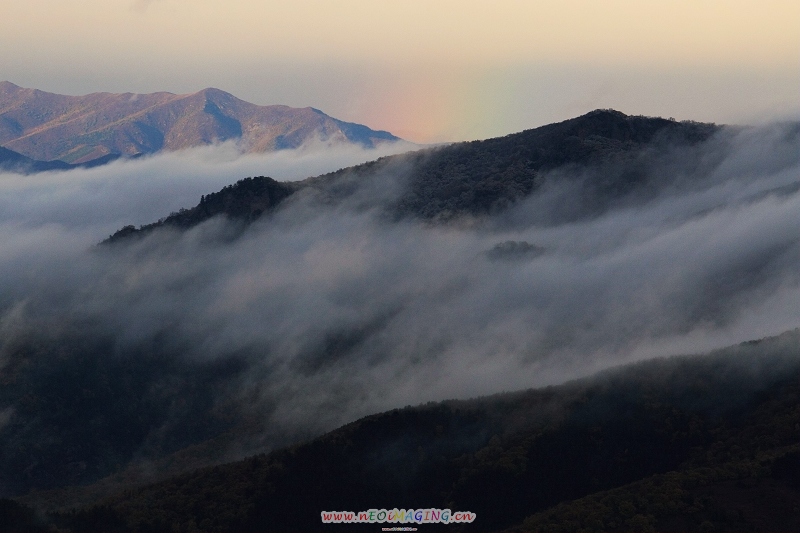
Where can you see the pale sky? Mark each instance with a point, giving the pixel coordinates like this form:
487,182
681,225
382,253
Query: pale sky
426,70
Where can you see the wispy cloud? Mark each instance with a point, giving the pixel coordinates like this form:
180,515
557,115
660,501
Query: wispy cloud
338,313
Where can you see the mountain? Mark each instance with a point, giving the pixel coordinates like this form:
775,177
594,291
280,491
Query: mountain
131,375
668,444
16,162
481,178
76,129
12,161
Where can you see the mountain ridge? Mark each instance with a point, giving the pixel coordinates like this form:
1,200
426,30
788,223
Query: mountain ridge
479,178
76,129
692,421
451,272
11,161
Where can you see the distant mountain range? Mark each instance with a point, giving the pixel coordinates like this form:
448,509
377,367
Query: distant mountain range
15,162
77,129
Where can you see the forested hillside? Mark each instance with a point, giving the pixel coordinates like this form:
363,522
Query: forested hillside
480,178
693,434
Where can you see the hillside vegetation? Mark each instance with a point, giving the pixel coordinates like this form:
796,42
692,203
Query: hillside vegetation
481,178
669,444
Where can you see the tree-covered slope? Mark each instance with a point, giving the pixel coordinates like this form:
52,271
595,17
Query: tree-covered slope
479,178
483,177
691,422
244,201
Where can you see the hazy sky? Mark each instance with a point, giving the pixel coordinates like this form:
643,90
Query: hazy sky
431,70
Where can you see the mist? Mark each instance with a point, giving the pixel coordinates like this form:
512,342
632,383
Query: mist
139,191
328,312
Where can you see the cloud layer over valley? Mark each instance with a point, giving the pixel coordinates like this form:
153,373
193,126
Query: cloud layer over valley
319,313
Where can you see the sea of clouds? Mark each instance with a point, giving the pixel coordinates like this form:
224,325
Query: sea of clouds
339,312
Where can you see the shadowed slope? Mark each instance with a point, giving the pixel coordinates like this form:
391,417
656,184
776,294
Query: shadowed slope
480,178
727,416
12,161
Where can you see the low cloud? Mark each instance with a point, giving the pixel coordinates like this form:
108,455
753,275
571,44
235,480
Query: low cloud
139,191
337,313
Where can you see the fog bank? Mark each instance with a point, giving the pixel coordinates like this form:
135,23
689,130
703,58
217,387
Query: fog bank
332,312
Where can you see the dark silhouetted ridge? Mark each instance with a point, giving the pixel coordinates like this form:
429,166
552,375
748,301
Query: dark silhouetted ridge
482,178
673,441
244,201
